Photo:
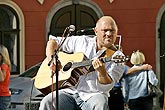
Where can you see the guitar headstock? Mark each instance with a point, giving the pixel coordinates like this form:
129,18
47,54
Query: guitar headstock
120,59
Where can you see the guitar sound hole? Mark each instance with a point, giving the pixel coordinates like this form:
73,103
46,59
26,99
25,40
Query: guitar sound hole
67,66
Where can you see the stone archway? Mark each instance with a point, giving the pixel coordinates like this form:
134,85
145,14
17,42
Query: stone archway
160,49
19,12
61,4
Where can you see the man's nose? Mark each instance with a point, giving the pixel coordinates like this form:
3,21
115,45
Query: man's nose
108,33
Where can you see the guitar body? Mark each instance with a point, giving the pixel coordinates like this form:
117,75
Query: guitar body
43,80
73,66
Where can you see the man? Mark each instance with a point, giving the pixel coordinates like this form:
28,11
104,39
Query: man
92,90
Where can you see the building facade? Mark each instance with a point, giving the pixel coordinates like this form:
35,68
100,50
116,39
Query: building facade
26,24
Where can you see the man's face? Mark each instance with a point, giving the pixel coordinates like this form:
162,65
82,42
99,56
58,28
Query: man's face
106,33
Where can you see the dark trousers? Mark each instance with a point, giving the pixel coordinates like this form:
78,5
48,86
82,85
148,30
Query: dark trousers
142,103
5,102
115,100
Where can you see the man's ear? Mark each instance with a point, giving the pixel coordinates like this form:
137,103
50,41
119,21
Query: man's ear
95,30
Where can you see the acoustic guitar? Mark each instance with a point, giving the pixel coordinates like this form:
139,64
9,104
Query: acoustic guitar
73,66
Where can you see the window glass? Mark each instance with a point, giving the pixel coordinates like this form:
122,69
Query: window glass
9,35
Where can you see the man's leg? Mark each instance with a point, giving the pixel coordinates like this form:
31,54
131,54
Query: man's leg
97,102
66,102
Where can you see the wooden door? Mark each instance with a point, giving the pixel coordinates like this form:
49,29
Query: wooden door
82,17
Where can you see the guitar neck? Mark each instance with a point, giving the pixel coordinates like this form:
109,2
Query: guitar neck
83,63
118,59
89,62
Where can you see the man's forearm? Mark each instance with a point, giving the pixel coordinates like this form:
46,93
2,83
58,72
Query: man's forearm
50,48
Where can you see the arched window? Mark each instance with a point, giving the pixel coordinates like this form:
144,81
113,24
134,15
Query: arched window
9,35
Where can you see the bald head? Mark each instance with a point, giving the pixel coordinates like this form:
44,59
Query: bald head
107,19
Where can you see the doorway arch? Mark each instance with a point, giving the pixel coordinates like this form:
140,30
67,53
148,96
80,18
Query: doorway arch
66,3
160,49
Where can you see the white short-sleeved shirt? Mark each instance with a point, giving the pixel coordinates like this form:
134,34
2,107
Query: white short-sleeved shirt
88,84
